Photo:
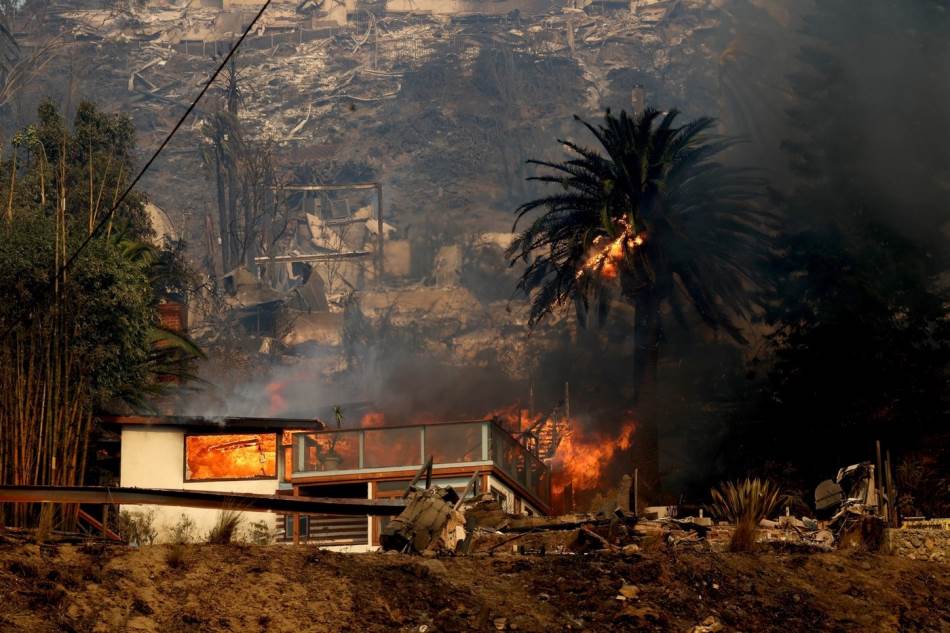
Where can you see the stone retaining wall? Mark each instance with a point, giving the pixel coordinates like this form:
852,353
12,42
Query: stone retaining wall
921,543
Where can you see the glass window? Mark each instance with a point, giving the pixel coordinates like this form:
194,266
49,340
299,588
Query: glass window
303,527
454,443
383,448
230,457
508,454
315,452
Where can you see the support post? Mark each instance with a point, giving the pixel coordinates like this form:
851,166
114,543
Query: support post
379,233
427,469
636,491
567,400
296,521
879,481
891,491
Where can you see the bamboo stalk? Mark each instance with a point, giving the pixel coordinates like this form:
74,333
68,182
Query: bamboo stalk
12,185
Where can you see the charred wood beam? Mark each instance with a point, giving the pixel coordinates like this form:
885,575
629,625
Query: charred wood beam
340,187
344,221
427,471
200,499
314,257
353,186
568,522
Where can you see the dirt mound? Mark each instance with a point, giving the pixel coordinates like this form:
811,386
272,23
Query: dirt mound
283,588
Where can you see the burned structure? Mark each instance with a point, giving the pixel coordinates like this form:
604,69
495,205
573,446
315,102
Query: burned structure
301,458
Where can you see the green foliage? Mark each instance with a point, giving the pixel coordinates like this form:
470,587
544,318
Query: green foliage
183,532
259,533
861,329
860,348
113,287
137,528
96,153
111,309
703,233
180,536
78,340
923,479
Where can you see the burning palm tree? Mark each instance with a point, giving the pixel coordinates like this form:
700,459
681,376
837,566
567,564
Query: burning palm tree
653,218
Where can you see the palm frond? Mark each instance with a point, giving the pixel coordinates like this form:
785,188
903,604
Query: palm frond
704,230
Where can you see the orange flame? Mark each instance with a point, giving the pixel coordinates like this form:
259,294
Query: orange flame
373,419
607,257
278,403
582,458
230,456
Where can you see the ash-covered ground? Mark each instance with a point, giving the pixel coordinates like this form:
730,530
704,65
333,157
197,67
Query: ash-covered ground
280,588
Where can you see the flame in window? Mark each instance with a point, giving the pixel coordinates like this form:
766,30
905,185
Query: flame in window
230,456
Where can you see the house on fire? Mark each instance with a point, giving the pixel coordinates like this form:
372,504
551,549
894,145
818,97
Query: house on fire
304,458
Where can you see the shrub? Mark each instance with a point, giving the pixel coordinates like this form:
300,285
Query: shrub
180,535
175,555
137,528
226,527
744,503
182,532
259,533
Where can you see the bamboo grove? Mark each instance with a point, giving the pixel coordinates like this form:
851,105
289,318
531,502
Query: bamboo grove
88,337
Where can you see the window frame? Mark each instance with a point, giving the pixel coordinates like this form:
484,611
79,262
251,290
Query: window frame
184,458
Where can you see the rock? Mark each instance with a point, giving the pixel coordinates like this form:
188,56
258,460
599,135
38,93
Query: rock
640,615
709,625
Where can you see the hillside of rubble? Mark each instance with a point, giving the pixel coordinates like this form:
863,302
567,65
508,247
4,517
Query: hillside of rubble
444,107
276,588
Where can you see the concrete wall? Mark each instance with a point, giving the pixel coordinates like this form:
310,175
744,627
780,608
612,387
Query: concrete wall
154,457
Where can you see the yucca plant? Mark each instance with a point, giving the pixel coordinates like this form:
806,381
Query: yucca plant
744,503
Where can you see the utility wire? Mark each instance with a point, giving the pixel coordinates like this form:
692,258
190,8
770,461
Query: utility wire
108,217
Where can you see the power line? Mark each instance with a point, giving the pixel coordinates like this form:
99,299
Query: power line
108,216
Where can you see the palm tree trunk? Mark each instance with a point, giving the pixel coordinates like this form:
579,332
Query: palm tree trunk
647,336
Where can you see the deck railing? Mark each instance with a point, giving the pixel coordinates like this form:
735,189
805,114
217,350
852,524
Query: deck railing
396,448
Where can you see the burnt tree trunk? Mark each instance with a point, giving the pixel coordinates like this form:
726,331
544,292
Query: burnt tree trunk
232,227
224,231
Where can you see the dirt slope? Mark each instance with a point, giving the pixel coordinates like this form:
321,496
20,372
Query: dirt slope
281,588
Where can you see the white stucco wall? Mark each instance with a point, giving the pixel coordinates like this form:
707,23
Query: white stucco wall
154,457
495,482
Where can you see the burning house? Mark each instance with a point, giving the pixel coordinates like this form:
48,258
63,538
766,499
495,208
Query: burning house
303,458
232,454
